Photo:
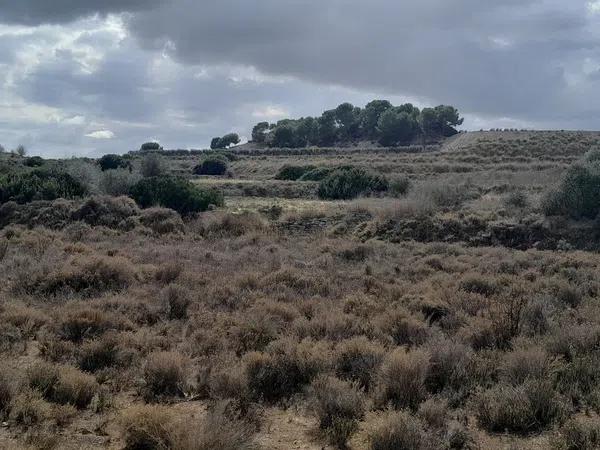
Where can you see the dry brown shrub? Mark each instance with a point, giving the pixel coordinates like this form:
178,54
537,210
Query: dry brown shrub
82,275
168,273
29,408
99,353
338,405
358,360
434,412
401,379
162,220
106,211
74,388
148,427
7,391
176,300
165,374
76,324
284,369
402,327
395,430
532,406
220,225
524,364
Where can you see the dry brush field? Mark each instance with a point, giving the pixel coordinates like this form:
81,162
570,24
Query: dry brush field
452,314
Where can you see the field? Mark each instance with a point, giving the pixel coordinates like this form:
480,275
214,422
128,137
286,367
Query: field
455,315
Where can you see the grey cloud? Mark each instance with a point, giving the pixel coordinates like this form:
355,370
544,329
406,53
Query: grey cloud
35,12
510,61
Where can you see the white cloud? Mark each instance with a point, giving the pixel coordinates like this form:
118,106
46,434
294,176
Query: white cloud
101,134
594,6
270,113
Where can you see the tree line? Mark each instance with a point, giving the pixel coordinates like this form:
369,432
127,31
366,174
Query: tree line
378,121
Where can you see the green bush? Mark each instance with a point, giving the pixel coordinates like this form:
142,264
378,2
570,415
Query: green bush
174,193
578,195
34,161
293,173
400,187
345,184
39,185
110,162
213,165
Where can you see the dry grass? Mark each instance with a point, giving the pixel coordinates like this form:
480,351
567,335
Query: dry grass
448,305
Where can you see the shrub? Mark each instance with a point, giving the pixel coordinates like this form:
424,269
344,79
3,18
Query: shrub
213,165
83,323
218,431
29,408
350,183
7,391
292,173
34,161
148,427
42,377
39,185
165,374
111,162
176,300
400,187
106,211
74,388
532,406
578,195
396,430
578,434
401,379
357,360
449,366
403,328
83,276
434,412
231,224
175,193
98,354
152,166
283,370
162,220
521,365
516,199
338,406
62,384
117,182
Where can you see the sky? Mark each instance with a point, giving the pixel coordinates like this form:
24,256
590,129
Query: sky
88,77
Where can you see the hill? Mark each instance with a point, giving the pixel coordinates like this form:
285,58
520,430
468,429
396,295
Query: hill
443,297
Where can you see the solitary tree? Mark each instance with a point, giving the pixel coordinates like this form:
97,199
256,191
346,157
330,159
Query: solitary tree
21,150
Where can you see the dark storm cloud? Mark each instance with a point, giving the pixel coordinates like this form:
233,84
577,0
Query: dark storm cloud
36,12
497,58
183,71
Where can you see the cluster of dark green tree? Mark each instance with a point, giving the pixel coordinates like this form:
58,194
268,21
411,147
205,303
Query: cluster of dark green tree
378,121
225,141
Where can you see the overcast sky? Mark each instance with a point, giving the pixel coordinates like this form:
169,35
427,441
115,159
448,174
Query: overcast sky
87,77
